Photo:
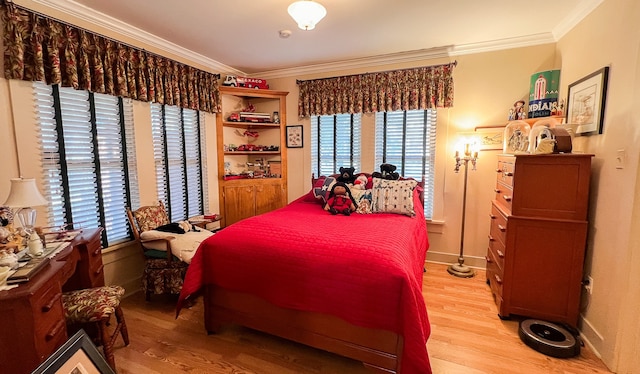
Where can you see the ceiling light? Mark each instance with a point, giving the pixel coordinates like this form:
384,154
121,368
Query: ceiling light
307,13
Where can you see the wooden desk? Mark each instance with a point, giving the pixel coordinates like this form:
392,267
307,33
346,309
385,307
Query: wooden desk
32,324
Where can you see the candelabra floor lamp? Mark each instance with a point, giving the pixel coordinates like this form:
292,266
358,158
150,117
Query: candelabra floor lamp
460,269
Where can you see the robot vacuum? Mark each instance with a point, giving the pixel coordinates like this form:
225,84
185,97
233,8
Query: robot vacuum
548,338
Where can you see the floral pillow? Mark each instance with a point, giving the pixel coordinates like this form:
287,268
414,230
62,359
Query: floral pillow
150,217
323,191
393,196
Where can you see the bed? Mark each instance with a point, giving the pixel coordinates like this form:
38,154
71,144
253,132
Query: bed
351,285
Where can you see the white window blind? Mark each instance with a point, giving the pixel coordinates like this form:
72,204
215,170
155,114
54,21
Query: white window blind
177,151
335,142
407,139
84,154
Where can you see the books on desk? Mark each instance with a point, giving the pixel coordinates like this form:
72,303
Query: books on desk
28,271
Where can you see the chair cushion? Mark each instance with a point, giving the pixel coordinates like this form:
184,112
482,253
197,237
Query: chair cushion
91,304
150,217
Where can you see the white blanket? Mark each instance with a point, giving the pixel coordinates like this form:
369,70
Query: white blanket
183,246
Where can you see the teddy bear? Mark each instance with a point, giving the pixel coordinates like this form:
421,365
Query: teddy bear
340,200
387,171
347,175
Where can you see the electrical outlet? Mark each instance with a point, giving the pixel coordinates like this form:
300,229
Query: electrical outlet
589,285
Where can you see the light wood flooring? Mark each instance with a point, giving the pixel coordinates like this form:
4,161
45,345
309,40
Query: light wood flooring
467,337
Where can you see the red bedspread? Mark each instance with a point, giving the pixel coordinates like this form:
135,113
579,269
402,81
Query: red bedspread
364,268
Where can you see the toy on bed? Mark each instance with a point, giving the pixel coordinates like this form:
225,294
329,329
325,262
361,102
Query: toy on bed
347,175
387,171
363,182
340,200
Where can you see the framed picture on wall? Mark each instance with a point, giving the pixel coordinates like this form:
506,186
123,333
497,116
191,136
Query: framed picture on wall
294,136
490,137
586,102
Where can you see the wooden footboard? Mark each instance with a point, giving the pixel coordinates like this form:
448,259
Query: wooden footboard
379,350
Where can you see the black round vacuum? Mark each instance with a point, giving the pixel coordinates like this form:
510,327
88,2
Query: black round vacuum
548,338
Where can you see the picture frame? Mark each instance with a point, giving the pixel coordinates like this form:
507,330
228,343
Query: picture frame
586,102
78,355
294,136
490,137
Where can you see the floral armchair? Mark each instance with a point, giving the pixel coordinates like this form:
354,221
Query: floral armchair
163,272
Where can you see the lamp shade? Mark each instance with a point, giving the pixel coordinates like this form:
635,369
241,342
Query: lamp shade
24,193
307,13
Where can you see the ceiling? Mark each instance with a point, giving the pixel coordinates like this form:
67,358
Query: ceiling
242,36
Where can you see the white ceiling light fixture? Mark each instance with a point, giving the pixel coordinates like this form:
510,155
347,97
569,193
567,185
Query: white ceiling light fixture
306,13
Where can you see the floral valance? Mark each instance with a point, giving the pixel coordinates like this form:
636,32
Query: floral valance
39,48
417,88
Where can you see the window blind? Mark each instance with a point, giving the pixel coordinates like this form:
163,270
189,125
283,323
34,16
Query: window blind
177,147
83,149
407,139
335,142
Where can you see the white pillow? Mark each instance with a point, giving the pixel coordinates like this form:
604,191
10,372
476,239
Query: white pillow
393,196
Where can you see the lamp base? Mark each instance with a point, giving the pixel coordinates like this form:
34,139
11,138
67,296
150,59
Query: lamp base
462,271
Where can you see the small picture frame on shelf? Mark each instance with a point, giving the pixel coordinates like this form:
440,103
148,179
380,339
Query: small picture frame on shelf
294,136
586,102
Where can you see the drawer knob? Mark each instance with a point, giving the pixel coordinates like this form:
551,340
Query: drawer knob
497,190
502,228
498,171
492,216
488,259
99,270
500,253
506,197
51,303
55,330
97,251
508,174
498,279
491,239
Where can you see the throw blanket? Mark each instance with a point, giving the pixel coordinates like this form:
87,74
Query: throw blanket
366,269
183,246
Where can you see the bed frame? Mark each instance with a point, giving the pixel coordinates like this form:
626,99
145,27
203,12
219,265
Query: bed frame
379,350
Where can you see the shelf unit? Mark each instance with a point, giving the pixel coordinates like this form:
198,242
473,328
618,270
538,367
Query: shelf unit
241,196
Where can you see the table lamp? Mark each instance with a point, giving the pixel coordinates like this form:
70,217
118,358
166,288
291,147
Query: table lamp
24,195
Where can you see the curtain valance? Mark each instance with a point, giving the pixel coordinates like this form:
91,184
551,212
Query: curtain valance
39,48
425,87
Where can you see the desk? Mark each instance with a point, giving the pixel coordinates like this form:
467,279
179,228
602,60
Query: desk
32,324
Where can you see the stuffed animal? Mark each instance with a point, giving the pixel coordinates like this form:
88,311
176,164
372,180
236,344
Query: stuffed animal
361,182
387,171
346,175
340,200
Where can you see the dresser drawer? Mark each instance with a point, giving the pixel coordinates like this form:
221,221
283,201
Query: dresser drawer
504,196
495,276
498,230
505,170
48,314
498,250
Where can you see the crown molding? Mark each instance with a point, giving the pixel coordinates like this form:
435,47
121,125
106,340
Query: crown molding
105,21
411,56
572,19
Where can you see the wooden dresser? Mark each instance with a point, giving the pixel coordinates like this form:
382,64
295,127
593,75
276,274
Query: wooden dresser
538,235
32,323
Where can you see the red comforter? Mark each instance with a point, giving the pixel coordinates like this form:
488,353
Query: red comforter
364,268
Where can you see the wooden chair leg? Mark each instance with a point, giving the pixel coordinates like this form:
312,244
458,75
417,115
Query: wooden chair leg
107,343
123,325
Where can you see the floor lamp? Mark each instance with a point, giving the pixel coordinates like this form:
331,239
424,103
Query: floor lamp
460,269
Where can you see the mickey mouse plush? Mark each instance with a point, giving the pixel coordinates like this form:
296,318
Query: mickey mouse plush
347,175
340,200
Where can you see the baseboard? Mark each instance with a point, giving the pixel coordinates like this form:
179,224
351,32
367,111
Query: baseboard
450,258
590,336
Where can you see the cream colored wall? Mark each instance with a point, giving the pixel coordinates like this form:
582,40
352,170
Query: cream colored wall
610,37
482,97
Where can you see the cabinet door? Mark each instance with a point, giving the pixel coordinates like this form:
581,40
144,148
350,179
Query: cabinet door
269,197
239,203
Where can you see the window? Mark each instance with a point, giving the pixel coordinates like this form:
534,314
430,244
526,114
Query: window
178,151
87,154
335,142
407,139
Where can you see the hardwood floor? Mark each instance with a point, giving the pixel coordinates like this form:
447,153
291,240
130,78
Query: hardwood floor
467,337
